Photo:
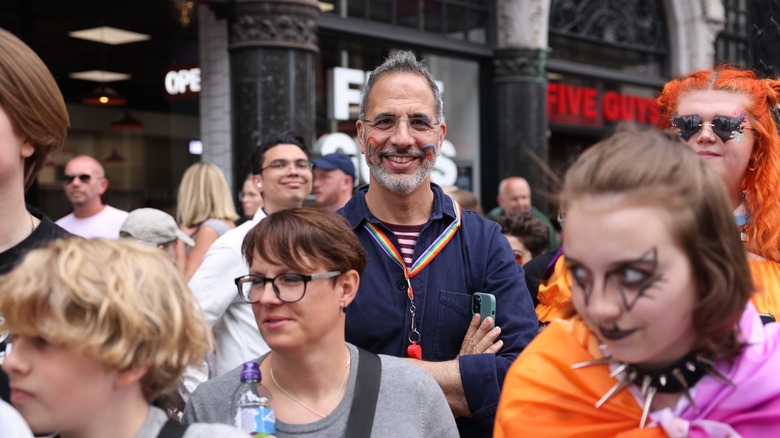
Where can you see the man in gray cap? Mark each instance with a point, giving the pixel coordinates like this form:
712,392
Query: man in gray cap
334,178
155,227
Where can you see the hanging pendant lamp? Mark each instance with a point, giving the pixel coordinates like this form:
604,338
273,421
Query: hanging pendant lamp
104,96
127,122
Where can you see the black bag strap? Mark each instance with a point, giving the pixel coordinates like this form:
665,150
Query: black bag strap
361,416
172,429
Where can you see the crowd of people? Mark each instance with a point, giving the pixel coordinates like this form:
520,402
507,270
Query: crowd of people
650,313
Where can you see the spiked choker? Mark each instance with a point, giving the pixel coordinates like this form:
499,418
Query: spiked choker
679,376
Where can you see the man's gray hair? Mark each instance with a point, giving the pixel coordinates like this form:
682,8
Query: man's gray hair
402,61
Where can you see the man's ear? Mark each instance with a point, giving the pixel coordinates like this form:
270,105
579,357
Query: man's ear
443,129
103,185
361,143
257,180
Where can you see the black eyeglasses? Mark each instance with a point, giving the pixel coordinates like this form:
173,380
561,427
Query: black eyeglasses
724,127
83,177
288,287
301,165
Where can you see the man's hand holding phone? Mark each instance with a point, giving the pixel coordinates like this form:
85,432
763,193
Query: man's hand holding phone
481,337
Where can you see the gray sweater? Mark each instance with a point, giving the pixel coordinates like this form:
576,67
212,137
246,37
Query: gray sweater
410,404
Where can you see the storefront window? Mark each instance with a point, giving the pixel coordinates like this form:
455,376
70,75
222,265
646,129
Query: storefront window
454,19
733,42
626,36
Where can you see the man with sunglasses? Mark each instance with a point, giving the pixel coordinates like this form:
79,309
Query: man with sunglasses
84,184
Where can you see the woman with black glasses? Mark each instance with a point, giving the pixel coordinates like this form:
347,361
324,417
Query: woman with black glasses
305,267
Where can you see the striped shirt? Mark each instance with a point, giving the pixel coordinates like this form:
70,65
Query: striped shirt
407,238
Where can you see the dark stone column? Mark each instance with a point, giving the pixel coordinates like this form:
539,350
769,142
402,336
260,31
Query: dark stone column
764,36
521,110
273,48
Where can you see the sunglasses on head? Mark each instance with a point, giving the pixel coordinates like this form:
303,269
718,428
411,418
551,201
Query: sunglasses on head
724,127
82,177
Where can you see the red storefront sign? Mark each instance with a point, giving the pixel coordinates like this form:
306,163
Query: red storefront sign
587,106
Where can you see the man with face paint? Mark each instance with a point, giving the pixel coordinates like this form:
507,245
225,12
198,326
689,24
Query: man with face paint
427,256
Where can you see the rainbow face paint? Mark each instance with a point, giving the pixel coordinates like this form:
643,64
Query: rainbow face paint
370,147
430,151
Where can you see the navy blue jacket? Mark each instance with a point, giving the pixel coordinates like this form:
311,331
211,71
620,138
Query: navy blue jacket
477,259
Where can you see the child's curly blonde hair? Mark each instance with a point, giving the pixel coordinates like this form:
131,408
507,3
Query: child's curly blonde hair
122,303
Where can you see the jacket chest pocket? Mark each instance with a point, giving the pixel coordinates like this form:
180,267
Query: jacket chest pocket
452,322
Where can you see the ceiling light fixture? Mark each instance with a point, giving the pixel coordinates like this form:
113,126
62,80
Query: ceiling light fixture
114,158
100,76
127,122
104,96
109,35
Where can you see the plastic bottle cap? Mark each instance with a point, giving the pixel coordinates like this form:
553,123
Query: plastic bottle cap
250,370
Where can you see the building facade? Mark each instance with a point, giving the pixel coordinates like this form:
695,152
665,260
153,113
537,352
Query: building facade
527,84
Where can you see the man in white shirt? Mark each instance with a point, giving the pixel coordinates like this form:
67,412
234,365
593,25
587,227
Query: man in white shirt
84,184
282,171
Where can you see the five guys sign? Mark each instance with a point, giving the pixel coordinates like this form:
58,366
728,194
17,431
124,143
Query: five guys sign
571,104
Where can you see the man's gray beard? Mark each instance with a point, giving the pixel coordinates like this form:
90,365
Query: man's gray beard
401,184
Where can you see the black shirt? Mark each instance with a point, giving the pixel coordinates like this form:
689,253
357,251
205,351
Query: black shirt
44,233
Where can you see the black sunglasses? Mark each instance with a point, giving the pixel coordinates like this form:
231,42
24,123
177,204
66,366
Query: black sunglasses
82,177
724,127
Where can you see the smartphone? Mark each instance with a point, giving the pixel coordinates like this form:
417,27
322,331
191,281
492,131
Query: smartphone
484,304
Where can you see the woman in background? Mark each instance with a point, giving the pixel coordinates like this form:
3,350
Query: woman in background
204,210
665,341
251,199
728,116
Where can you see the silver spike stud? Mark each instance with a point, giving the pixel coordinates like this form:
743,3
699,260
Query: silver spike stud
714,373
662,379
618,370
598,361
646,381
625,381
646,406
704,360
681,379
691,366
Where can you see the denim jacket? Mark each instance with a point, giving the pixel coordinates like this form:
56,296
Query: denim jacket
477,259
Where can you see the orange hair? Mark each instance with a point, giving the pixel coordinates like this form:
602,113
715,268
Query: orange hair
762,177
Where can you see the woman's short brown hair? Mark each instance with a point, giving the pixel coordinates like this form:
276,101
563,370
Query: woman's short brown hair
120,302
654,169
302,238
33,102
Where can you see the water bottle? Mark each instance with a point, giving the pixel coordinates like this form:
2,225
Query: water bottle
251,404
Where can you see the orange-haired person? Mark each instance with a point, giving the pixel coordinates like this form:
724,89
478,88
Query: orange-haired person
728,116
